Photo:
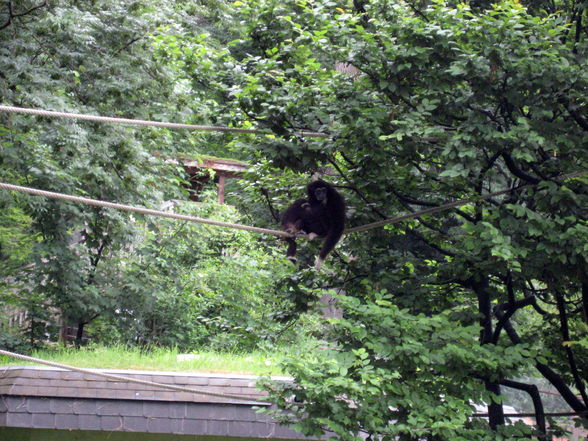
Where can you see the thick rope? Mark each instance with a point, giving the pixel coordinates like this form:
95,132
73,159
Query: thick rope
278,233
115,377
140,122
448,206
416,214
140,210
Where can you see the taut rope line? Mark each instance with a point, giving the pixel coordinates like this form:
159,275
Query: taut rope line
432,210
140,122
278,233
140,210
448,206
128,379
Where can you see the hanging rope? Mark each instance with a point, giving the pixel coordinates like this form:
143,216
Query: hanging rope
115,377
432,210
448,206
140,210
140,122
278,233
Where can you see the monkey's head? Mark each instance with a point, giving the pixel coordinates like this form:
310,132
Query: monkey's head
321,195
318,192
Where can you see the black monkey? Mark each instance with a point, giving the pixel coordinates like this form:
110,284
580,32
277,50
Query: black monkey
321,215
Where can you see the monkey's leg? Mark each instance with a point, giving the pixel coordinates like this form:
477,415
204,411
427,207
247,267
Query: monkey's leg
291,251
318,264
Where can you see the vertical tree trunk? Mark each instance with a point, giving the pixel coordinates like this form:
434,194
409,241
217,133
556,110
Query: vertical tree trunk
585,300
80,334
495,410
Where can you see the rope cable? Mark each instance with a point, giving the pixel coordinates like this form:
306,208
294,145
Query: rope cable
140,210
115,377
278,233
218,223
448,206
140,122
431,210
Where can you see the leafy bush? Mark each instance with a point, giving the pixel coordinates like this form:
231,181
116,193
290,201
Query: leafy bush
13,342
192,285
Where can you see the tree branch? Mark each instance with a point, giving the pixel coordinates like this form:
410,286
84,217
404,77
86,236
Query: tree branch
565,333
33,9
272,210
585,300
126,45
505,312
429,244
354,188
409,200
12,15
515,170
533,391
9,19
550,375
481,288
577,116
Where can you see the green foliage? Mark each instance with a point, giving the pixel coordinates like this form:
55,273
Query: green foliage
93,58
123,278
12,341
193,285
444,102
385,370
15,242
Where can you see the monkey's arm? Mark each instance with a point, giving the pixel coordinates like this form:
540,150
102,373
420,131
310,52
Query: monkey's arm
329,243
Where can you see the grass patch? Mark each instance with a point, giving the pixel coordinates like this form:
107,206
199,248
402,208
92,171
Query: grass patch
157,359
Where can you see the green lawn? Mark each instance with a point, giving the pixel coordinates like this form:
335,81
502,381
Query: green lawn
120,357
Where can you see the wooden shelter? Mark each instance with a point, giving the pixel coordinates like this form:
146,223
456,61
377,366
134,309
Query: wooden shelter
199,171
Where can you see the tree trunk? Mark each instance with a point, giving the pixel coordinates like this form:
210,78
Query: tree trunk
80,334
480,287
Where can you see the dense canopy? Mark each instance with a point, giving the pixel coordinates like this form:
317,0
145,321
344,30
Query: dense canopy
422,103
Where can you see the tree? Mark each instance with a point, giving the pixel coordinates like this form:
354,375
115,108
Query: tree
447,102
94,58
103,58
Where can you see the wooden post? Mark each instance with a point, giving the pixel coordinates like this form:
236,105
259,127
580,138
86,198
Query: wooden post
221,188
